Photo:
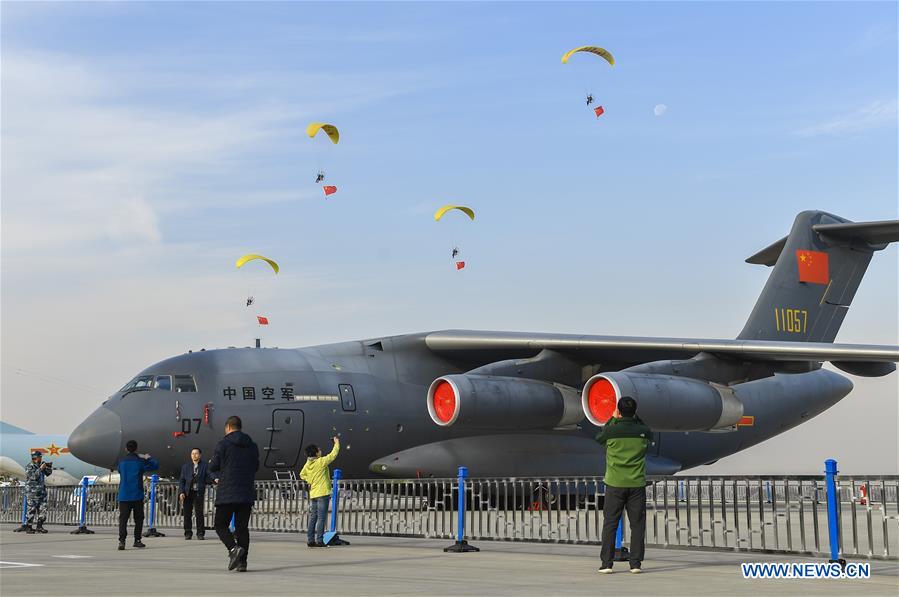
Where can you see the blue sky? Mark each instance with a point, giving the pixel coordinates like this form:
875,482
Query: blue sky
146,146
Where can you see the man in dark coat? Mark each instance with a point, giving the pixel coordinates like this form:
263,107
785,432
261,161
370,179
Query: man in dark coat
192,493
131,468
236,460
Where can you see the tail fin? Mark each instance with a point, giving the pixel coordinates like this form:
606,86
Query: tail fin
817,270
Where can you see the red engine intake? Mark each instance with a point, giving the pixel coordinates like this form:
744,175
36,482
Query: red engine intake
497,402
601,400
664,402
443,402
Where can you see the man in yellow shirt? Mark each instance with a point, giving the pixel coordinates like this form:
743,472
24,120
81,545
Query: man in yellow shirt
315,472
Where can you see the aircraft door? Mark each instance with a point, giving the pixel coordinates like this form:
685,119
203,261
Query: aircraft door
286,438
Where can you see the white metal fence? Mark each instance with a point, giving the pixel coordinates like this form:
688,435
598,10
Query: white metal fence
757,514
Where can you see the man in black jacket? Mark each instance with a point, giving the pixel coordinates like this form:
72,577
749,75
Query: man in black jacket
236,460
192,492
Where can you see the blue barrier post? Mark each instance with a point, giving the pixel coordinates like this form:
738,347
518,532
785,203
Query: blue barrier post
833,511
24,526
461,545
151,527
623,554
82,515
331,538
768,497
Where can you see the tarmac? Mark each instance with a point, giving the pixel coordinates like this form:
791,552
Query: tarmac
59,563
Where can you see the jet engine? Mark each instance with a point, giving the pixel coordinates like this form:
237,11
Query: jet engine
502,403
664,402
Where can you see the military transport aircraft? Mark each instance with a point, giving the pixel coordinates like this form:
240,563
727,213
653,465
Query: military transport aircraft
520,404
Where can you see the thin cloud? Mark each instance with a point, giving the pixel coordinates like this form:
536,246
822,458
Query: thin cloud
874,38
79,166
133,218
84,163
880,114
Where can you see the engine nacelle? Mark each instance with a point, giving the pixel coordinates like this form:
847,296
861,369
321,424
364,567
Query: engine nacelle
664,402
502,403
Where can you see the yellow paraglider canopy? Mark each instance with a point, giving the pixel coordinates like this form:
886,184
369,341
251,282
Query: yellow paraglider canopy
330,130
252,256
466,210
591,49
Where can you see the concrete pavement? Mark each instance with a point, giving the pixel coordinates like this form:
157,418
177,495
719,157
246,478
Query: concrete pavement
280,564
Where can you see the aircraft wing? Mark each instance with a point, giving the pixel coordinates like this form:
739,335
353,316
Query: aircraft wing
481,346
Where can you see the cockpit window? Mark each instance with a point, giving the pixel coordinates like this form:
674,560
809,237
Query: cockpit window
139,382
163,382
185,383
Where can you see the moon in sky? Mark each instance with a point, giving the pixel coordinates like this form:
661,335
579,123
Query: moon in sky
660,109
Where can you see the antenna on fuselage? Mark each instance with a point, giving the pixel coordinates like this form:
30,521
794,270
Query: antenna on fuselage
258,342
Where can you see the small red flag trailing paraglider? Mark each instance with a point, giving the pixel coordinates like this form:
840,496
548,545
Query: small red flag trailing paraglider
262,320
460,265
329,189
598,111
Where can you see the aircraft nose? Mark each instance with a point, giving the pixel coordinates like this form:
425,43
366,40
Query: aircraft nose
98,440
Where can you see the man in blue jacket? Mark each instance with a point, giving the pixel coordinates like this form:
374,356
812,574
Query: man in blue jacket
131,491
236,460
192,492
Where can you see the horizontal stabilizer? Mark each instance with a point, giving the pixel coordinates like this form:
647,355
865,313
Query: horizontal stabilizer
768,256
875,234
872,233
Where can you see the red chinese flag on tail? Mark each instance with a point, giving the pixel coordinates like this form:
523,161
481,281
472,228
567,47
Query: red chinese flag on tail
329,190
813,267
262,320
599,111
460,265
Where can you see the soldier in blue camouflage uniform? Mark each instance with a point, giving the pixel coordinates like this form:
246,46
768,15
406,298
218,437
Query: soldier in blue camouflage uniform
36,492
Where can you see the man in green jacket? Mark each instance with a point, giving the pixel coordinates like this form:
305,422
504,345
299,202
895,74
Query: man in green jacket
626,438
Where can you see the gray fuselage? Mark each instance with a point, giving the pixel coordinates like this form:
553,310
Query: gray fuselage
372,394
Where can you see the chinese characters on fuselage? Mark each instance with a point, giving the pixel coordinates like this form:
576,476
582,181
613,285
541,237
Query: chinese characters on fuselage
268,393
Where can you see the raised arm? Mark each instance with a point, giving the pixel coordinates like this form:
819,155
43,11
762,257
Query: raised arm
332,455
603,435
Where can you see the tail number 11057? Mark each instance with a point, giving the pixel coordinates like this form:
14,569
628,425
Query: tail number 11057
793,321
